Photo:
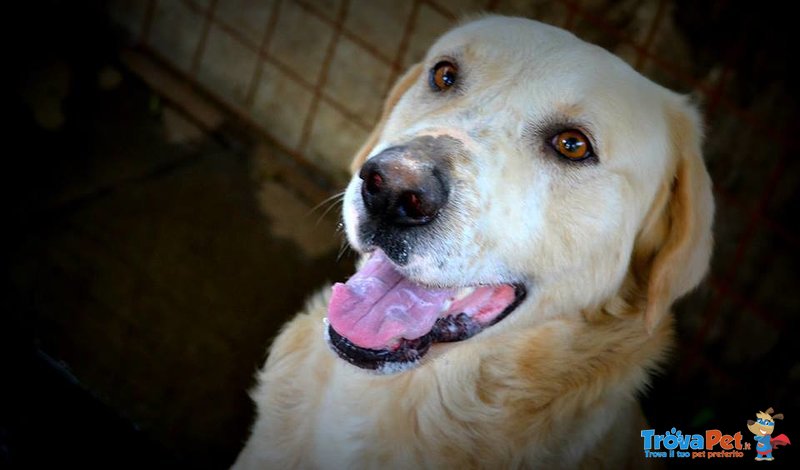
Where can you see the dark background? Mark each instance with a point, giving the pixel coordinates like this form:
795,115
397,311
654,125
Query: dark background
152,252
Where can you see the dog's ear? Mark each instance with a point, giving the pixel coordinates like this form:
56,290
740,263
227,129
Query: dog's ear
682,259
397,92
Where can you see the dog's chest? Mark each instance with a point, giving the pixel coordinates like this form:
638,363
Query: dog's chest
344,423
365,421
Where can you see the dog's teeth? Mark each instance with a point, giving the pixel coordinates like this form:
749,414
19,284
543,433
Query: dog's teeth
463,292
446,306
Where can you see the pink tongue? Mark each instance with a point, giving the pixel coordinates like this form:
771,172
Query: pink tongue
378,305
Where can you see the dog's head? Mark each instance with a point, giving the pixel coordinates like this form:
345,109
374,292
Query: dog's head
517,173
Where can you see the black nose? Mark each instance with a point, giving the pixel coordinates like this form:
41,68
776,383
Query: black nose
402,187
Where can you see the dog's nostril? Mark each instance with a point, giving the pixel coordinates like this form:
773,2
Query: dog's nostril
411,205
374,182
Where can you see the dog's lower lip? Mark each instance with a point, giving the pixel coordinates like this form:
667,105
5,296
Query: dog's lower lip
453,328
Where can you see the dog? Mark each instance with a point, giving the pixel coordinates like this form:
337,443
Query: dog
528,208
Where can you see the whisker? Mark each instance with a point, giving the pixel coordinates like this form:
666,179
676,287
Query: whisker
343,249
322,216
328,200
331,206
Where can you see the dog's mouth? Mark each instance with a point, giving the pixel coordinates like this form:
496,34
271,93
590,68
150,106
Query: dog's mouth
382,321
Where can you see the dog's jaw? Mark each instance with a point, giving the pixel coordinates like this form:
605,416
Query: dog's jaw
381,320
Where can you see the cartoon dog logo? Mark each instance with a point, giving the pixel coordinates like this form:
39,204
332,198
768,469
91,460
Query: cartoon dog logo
762,428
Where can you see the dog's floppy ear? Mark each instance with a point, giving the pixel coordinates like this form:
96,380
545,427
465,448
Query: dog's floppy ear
682,260
397,92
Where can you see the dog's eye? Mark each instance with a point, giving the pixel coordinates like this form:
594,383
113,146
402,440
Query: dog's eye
443,76
572,145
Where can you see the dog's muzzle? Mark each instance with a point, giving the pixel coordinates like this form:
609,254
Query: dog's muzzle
381,319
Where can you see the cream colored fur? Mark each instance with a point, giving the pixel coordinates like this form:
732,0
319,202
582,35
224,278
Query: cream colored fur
604,249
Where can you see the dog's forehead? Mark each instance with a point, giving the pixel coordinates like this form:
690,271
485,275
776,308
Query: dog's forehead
542,54
515,37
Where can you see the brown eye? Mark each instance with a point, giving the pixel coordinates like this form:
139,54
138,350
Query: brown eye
443,76
572,145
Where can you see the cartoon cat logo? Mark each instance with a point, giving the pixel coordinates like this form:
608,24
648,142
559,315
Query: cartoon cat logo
762,429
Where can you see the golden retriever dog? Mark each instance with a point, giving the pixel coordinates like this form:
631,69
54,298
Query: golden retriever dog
527,209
